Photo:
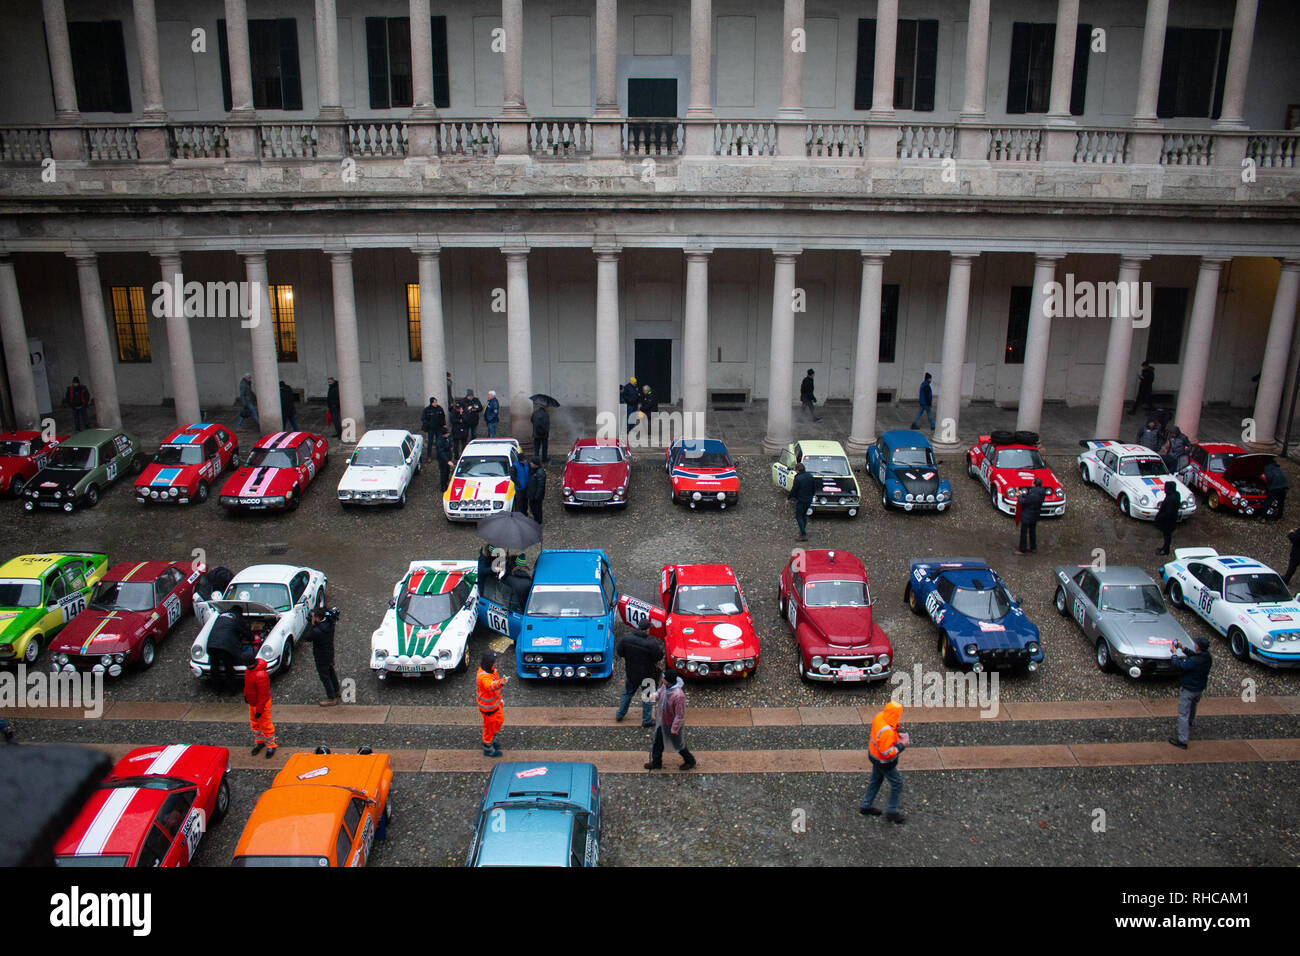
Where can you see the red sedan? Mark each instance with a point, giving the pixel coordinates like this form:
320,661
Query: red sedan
152,810
188,461
278,471
825,597
597,473
1006,464
1228,476
23,454
133,608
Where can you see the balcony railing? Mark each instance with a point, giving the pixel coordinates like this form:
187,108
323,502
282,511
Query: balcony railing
370,140
1186,149
744,139
1015,144
288,140
1101,146
198,142
651,136
559,138
24,144
1274,150
111,143
836,140
468,138
926,142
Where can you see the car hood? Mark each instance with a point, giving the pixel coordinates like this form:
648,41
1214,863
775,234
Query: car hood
1145,635
585,477
416,640
57,479
381,477
559,634
1012,631
835,484
259,482
165,476
1023,477
15,620
1245,467
842,627
469,489
100,632
704,636
916,478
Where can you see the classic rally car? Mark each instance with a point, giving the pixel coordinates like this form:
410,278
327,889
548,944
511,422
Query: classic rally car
829,465
1006,464
825,597
903,464
322,809
597,473
188,462
703,620
133,608
1228,476
276,600
39,594
562,621
701,470
538,814
153,809
1133,475
980,623
81,468
277,472
428,623
482,483
381,468
1245,601
1120,610
22,455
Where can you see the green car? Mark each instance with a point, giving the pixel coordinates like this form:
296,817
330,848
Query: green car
39,593
81,468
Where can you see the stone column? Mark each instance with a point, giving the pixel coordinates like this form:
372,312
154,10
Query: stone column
695,345
1234,85
266,366
791,136
973,141
13,335
327,59
608,350
1067,26
1196,353
607,124
866,374
512,21
1153,55
433,335
699,135
421,63
953,355
1033,377
1272,375
519,344
882,138
347,348
60,50
1119,348
180,349
99,349
241,70
780,377
146,42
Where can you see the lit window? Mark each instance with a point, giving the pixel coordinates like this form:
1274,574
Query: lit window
286,332
413,320
131,322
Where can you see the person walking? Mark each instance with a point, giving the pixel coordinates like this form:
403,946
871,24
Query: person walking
521,484
230,632
444,460
492,414
432,420
247,402
806,397
471,408
456,419
1149,437
332,406
801,493
488,695
1294,536
1029,506
925,396
1276,484
536,489
1196,674
1166,519
288,405
541,434
630,397
257,694
1146,379
78,399
884,746
641,655
670,723
321,636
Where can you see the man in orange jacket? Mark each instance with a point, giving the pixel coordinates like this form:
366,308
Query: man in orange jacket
884,746
488,686
257,693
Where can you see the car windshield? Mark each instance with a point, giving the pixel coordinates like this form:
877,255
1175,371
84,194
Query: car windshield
708,599
705,459
915,456
149,783
1264,587
1143,467
424,610
826,465
280,861
71,860
70,456
476,466
179,455
14,449
1019,458
272,595
835,594
123,596
981,604
20,593
1219,463
567,601
1131,597
598,455
377,456
273,458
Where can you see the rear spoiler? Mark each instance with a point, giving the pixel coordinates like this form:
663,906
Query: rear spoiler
1186,554
1097,442
938,562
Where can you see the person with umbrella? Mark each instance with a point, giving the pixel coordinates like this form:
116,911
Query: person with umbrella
541,431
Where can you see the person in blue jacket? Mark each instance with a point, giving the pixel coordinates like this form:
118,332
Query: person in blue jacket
926,397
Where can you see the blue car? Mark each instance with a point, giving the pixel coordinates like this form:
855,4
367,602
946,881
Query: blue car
902,463
539,814
980,624
561,618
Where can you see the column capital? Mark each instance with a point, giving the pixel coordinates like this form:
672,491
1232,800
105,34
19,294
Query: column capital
783,253
339,255
255,256
79,253
698,253
1048,257
1133,258
1289,263
966,256
869,254
428,251
515,253
607,252
1214,262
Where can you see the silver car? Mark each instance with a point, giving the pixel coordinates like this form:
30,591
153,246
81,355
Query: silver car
1121,611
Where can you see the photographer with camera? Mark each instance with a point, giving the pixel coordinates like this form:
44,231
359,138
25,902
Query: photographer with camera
321,635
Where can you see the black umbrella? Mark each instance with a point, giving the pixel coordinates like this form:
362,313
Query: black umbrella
546,400
510,530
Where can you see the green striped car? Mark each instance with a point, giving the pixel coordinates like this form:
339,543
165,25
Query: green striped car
427,627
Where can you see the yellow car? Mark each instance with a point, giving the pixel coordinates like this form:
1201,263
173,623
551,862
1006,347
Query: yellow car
39,593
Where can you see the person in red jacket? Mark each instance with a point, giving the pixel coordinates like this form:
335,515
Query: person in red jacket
257,692
488,687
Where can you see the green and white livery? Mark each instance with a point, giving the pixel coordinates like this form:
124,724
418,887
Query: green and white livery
429,620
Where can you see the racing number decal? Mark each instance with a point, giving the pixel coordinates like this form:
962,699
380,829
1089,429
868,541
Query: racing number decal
792,611
497,621
111,470
932,605
636,614
1205,601
311,470
72,605
1080,614
192,832
173,607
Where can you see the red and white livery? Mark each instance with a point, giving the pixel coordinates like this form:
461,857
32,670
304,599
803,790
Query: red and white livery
278,471
1006,464
187,463
22,455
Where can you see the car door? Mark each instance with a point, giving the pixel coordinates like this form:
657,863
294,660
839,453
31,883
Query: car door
358,831
1209,603
583,849
1087,603
783,469
211,459
179,826
1195,588
408,454
986,464
298,595
167,594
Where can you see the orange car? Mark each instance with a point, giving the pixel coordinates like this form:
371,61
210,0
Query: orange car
322,809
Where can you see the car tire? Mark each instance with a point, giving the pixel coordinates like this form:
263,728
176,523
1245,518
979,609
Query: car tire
297,496
1083,474
946,652
286,656
884,499
798,663
148,654
202,492
92,496
401,502
1175,592
970,468
464,659
32,650
1213,501
1062,603
1124,506
17,485
781,605
1238,644
909,596
993,496
221,804
1105,660
137,463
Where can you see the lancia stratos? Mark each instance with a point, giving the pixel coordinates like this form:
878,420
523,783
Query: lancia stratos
429,620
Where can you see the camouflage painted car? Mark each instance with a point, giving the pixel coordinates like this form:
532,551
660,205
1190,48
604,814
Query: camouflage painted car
429,620
81,468
39,594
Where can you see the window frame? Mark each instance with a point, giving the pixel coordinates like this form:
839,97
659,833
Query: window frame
130,324
1018,313
288,66
1029,68
284,326
917,73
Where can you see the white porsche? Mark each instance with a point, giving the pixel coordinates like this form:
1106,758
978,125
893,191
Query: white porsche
1134,476
381,468
482,483
429,620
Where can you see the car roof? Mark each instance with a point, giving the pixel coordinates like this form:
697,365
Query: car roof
1234,564
530,836
820,447
359,771
1132,451
588,442
92,437
703,573
137,571
819,566
267,574
19,436
295,821
1123,574
1220,447
30,565
491,446
565,566
383,437
189,434
282,439
905,438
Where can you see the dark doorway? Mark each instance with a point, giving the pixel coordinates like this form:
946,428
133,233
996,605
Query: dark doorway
654,98
653,365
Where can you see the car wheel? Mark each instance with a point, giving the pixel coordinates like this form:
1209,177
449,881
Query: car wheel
17,485
401,502
1062,605
148,653
464,660
1105,663
297,496
92,496
780,602
202,492
910,597
221,805
1123,506
320,600
946,651
798,663
993,496
137,463
1238,644
1083,474
286,656
1213,501
970,468
33,650
884,499
1175,593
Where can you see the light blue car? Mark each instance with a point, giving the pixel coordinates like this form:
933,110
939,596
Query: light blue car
539,814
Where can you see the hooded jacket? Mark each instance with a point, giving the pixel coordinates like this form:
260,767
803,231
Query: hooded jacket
885,745
642,654
229,633
257,685
672,707
1166,518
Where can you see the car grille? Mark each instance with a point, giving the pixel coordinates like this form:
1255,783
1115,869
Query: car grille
474,507
593,495
575,659
1004,655
865,661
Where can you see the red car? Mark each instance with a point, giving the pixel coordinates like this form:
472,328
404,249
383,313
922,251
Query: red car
278,471
188,461
23,454
1006,463
703,620
132,610
597,473
825,597
1228,476
152,809
701,472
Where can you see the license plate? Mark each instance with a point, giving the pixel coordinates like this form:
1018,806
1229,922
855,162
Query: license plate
850,673
51,504
408,669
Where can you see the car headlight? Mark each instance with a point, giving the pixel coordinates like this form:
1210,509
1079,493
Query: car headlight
910,496
266,652
344,495
696,496
444,654
174,492
1144,500
929,497
844,501
619,490
884,660
972,650
1032,647
749,662
196,653
679,663
106,659
898,495
58,494
119,658
380,654
498,505
816,662
943,496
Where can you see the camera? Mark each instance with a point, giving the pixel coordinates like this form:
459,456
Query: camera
331,615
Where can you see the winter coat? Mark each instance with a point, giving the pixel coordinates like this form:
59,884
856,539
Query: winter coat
641,654
806,390
229,634
493,411
541,422
1030,505
802,489
536,483
433,419
1166,518
257,685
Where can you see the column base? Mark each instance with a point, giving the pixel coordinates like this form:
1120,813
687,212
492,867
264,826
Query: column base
1264,447
774,446
855,447
948,447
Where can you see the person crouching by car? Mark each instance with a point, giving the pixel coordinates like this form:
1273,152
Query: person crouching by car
257,694
230,632
1166,519
321,635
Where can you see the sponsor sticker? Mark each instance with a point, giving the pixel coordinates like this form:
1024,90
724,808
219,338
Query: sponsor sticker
310,774
532,772
989,626
548,642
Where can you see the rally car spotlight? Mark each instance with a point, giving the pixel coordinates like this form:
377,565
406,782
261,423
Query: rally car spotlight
115,670
543,672
749,662
1135,671
1033,665
972,649
582,672
568,671
977,667
67,506
824,669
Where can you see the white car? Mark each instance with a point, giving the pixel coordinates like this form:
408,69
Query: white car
276,600
381,468
482,483
1134,476
429,620
1245,601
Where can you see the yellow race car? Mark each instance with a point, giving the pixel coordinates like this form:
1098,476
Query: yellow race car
39,593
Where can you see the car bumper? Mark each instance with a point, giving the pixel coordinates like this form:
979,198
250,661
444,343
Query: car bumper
687,497
837,676
1274,659
90,665
392,665
235,503
1003,659
371,498
610,502
717,670
472,514
851,509
1050,509
565,669
906,505
59,504
184,498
